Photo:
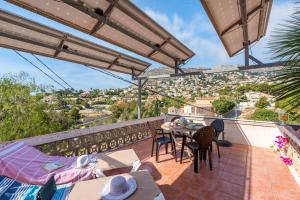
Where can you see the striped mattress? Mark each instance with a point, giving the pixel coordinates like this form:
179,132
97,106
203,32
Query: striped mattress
13,190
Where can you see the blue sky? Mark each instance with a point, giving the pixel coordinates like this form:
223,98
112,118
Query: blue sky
185,19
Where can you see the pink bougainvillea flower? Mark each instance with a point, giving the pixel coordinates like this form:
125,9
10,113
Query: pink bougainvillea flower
281,141
286,160
285,140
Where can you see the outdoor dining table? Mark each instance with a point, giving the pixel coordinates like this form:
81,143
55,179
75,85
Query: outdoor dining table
181,131
92,189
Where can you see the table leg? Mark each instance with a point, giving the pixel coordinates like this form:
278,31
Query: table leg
182,147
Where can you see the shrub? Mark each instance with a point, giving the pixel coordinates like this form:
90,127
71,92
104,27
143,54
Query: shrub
262,102
264,115
222,106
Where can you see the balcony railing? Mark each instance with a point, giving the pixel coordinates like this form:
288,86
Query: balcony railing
95,139
109,137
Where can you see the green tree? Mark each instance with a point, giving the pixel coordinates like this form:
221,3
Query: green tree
227,91
74,114
86,105
177,102
264,115
23,114
262,102
223,106
285,46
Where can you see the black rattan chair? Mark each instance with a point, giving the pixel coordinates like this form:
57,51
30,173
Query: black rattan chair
218,125
160,138
201,145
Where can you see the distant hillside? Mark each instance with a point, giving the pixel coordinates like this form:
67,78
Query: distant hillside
168,70
216,69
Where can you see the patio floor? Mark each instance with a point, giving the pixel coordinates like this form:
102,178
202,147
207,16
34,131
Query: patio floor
243,172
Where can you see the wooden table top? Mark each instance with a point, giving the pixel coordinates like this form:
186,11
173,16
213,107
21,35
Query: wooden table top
92,189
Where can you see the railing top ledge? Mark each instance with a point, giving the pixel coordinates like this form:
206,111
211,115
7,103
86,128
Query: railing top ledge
233,121
52,137
289,131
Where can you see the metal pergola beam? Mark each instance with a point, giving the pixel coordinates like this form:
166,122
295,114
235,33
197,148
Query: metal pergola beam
243,8
60,46
255,60
140,86
242,68
79,5
114,62
106,14
159,46
264,65
139,98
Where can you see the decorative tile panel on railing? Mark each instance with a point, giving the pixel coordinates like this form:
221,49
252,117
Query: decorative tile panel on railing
100,141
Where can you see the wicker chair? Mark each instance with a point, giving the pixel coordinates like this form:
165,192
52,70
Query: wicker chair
159,138
201,145
218,125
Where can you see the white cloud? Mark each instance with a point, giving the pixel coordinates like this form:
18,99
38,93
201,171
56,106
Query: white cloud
197,33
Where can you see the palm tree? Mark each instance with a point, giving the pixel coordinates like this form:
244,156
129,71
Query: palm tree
285,46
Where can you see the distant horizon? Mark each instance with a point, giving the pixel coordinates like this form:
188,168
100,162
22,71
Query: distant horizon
187,21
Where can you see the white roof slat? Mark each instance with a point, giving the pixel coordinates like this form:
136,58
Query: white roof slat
25,35
119,22
226,17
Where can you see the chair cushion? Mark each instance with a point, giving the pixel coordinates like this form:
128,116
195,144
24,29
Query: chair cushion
163,140
192,145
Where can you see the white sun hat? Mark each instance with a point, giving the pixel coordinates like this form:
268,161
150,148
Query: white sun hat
82,161
119,188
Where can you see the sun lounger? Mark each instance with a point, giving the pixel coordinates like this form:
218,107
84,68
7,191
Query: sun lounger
13,190
26,164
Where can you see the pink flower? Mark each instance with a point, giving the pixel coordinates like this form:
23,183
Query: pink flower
281,141
286,160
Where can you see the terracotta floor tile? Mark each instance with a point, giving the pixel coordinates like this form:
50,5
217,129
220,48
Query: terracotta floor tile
242,173
233,178
229,188
285,194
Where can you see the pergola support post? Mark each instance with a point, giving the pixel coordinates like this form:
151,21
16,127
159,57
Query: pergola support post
139,97
246,55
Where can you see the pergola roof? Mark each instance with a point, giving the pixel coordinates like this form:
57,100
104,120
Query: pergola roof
25,35
119,22
238,22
